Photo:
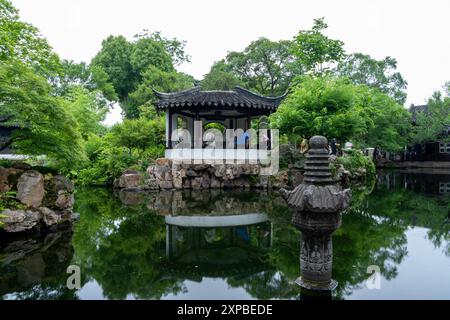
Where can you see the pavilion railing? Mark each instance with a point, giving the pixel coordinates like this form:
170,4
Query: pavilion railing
173,144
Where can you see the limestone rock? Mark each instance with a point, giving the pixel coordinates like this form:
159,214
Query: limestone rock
65,200
215,183
49,216
186,183
191,173
8,178
130,179
220,171
281,179
20,220
163,162
151,183
30,188
196,183
165,184
177,179
161,172
206,181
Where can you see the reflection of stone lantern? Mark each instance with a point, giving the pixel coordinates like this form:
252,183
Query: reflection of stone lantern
317,205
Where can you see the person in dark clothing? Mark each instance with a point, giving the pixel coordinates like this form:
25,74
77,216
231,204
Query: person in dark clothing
333,147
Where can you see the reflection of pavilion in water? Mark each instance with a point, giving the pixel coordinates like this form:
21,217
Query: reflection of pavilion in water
217,240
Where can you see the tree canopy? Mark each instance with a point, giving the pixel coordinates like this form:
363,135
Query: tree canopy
315,52
220,78
336,108
130,64
379,74
42,126
264,66
433,123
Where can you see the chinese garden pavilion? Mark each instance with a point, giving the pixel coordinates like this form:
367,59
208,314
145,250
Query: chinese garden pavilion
233,109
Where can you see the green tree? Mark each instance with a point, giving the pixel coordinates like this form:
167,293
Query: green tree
115,59
129,65
175,47
379,74
42,126
336,108
324,106
264,66
138,134
141,101
93,78
433,123
147,52
220,78
86,109
315,52
389,124
21,41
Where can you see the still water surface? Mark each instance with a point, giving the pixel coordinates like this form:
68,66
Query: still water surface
235,245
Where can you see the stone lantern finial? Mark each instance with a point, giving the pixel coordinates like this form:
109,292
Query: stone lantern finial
317,166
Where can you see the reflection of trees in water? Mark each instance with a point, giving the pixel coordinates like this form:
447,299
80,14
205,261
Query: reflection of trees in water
415,200
123,247
133,239
33,266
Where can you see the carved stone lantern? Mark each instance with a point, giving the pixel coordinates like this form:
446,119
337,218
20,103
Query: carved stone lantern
318,204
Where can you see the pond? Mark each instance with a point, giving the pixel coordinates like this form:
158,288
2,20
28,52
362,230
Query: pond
235,245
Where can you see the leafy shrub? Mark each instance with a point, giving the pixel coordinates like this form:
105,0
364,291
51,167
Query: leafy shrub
354,160
8,201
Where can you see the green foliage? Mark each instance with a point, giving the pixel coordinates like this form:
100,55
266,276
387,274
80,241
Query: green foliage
8,201
388,125
141,101
147,52
220,77
139,133
315,52
264,66
354,160
432,124
336,108
86,109
378,74
173,46
115,59
324,106
128,144
133,68
42,124
21,42
92,78
215,125
109,163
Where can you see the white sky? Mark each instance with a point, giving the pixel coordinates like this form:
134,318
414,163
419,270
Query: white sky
414,32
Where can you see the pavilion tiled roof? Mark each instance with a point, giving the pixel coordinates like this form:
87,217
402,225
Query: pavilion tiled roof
195,97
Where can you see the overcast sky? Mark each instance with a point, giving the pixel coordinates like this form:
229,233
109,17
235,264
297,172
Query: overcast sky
414,32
